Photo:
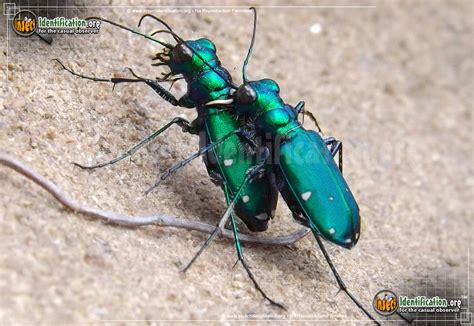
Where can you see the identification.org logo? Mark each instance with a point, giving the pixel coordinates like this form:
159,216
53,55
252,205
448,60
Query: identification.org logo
25,23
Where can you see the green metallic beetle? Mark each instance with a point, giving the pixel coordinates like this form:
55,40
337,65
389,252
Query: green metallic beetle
229,151
311,182
308,178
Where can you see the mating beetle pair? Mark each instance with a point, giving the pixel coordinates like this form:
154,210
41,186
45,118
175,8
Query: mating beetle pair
230,118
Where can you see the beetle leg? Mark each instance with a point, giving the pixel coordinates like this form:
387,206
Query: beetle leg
229,213
223,221
335,147
299,108
109,80
190,158
252,173
164,93
184,124
154,84
339,281
240,255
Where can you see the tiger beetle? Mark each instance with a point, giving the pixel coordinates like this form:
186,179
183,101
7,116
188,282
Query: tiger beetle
229,150
321,199
303,163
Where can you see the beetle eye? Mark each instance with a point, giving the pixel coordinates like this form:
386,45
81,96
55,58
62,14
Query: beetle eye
181,53
245,94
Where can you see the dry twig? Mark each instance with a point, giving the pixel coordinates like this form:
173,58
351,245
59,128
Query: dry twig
135,221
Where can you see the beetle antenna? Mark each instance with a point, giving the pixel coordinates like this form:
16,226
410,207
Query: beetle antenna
176,37
167,45
161,31
180,40
249,53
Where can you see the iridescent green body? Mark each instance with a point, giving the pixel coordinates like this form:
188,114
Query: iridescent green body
306,174
224,138
311,183
228,163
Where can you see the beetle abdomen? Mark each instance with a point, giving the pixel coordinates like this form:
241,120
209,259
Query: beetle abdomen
318,187
232,161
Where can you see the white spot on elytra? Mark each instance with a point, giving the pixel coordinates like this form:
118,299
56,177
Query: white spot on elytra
262,216
245,198
228,162
306,195
316,28
332,231
357,236
348,240
331,198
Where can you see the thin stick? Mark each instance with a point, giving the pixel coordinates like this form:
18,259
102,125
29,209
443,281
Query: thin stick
135,221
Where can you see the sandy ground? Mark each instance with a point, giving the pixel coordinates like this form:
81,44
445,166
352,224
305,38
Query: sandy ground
393,81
